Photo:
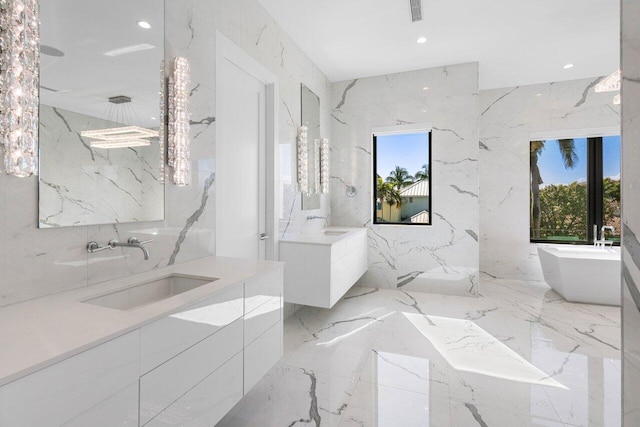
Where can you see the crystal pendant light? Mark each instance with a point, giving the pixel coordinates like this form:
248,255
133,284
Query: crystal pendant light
611,83
120,136
19,81
178,150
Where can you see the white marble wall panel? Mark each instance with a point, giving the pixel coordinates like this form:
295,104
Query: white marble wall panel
507,118
438,258
631,212
40,262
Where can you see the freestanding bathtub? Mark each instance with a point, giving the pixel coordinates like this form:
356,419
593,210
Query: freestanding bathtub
585,274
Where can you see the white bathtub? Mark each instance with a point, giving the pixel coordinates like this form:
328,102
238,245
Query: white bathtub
585,274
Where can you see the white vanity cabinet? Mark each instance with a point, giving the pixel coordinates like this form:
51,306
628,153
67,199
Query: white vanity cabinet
262,325
187,368
322,266
98,387
199,360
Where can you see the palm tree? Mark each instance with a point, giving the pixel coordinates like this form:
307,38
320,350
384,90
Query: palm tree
567,149
387,194
399,177
422,173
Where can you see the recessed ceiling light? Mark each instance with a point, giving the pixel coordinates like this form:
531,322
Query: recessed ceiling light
538,94
425,88
421,40
144,24
153,118
566,67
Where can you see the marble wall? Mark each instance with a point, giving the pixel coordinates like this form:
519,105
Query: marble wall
81,185
631,212
438,258
507,118
36,262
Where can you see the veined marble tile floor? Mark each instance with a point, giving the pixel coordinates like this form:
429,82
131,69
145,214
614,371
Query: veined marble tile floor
518,355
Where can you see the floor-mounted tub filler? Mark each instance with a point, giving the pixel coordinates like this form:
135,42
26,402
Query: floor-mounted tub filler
587,274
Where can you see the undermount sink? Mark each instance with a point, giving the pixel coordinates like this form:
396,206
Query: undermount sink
334,233
149,292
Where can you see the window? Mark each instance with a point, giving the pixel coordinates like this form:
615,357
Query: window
402,180
575,184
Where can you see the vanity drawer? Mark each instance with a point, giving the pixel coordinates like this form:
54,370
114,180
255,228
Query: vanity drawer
167,337
78,390
165,384
207,402
259,290
261,355
262,318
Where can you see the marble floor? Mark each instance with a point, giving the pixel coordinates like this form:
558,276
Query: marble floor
518,355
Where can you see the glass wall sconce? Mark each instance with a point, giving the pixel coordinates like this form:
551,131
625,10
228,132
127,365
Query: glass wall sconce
324,166
19,85
303,160
162,130
179,144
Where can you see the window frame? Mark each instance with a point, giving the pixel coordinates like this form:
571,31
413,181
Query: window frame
397,130
595,187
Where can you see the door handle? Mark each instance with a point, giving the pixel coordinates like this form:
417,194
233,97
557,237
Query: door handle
264,236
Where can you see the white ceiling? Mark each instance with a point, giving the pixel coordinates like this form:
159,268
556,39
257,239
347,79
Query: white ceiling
84,78
516,42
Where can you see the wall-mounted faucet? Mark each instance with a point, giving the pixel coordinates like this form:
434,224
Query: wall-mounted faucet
132,242
602,241
312,217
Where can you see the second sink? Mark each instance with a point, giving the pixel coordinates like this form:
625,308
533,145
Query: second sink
334,233
149,292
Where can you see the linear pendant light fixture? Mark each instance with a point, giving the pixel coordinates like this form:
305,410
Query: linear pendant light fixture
120,136
611,83
19,80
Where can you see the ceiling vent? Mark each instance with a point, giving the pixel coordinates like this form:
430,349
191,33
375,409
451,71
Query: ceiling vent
416,10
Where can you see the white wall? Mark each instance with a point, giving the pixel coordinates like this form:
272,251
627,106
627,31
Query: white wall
36,262
507,118
438,258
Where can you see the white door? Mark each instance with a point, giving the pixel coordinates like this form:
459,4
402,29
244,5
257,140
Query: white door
241,184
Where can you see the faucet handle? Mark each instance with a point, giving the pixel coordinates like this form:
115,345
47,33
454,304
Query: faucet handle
95,247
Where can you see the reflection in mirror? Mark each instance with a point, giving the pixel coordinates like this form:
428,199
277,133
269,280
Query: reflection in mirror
310,107
100,70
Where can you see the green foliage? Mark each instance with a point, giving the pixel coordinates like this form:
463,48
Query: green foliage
399,178
563,211
423,173
611,204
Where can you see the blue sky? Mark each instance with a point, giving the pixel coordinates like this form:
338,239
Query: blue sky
408,150
552,167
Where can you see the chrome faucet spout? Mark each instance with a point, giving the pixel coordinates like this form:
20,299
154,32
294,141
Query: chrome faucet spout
325,218
132,242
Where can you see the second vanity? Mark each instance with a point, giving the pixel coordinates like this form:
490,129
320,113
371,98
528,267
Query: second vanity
323,265
177,346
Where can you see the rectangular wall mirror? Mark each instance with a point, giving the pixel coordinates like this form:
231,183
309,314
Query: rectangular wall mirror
100,70
310,107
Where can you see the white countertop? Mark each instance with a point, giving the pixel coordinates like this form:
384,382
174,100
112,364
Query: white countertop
320,238
40,332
